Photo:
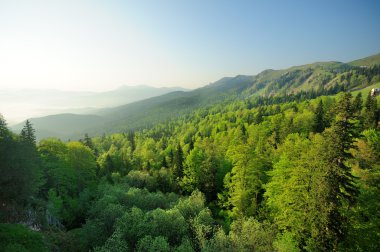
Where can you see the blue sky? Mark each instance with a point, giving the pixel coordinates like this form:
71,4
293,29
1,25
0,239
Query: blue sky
100,45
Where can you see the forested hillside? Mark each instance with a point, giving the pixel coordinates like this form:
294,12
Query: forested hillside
295,171
312,80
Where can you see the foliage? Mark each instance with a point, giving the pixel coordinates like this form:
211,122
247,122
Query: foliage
267,173
19,238
20,172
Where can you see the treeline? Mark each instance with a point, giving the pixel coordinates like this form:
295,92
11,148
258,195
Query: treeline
255,175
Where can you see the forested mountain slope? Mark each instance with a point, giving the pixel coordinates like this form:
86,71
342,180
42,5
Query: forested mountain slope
368,61
285,173
314,79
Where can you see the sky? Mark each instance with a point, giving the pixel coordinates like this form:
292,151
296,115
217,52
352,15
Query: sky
101,45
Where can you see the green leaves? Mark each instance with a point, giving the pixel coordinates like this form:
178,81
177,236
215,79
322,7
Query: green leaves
17,238
288,191
247,178
247,234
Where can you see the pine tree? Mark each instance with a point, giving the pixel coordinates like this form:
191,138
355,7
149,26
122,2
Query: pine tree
88,142
28,134
243,130
19,166
370,112
342,137
191,144
338,182
164,163
208,178
28,143
131,139
358,104
319,121
259,116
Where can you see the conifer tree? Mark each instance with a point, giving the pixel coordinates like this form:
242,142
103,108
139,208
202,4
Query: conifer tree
28,134
20,173
370,112
88,142
338,183
28,143
131,139
259,115
191,144
319,121
358,104
164,163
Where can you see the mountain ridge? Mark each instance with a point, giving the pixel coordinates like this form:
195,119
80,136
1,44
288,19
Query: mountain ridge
318,77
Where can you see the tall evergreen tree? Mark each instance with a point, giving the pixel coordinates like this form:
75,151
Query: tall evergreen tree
370,112
164,163
259,116
191,144
19,167
28,143
338,182
319,121
357,105
28,134
131,139
88,142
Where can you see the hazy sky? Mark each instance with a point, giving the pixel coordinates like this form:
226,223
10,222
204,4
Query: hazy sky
99,45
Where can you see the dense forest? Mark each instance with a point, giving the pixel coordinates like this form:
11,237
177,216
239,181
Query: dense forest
282,173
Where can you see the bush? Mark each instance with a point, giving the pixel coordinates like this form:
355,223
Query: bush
14,237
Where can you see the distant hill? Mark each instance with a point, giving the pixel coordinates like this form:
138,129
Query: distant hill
368,61
145,113
37,103
126,94
62,125
319,77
